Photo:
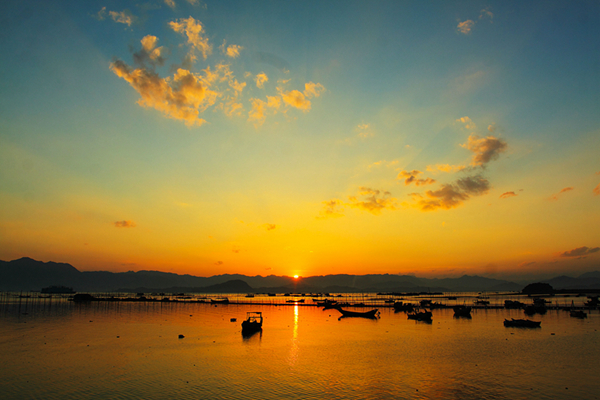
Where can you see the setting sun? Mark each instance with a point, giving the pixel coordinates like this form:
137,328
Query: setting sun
295,276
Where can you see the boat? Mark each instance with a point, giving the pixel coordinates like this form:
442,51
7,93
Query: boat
522,323
220,301
420,316
295,301
462,311
482,302
249,295
253,322
367,314
513,304
578,314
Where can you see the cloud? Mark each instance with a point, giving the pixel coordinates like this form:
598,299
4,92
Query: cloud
445,168
219,263
374,201
597,190
124,224
492,128
384,163
332,209
261,79
295,99
149,55
580,252
260,109
486,13
123,17
507,194
555,196
170,3
193,30
452,195
313,89
411,177
485,149
465,26
233,50
179,98
364,130
526,264
469,124
269,227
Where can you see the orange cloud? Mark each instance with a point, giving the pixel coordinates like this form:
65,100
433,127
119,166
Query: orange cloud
180,98
507,194
124,224
555,196
295,99
233,50
374,201
261,79
411,177
269,227
445,168
485,149
597,190
332,209
194,31
465,26
452,195
580,252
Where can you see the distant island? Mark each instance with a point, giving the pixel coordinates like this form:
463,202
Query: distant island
26,274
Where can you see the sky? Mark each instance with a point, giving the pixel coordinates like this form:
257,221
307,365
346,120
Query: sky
302,138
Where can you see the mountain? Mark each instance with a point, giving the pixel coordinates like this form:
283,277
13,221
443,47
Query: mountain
27,274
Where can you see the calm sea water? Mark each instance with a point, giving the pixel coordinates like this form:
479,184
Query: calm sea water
103,350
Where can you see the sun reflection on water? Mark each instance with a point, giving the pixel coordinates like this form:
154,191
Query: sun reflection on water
293,358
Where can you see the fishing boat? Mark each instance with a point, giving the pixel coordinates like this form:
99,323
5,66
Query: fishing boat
578,314
462,311
522,323
253,322
220,301
367,314
420,316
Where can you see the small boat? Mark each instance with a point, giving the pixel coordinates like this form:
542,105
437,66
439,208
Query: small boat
367,314
578,314
482,302
253,322
420,316
462,311
513,304
522,323
295,301
220,301
249,295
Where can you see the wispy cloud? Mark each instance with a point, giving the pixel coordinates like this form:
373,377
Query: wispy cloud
364,130
465,26
372,200
193,30
596,190
124,224
269,227
526,264
485,149
367,199
233,50
445,168
580,252
507,194
411,177
261,79
170,3
452,195
121,17
557,195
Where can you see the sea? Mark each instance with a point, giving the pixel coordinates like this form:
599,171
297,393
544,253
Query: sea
190,348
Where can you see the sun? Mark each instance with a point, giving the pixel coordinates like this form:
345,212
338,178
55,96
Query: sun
296,276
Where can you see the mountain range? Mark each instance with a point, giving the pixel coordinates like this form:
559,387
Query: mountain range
26,274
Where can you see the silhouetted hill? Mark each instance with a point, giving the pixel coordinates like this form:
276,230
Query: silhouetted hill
27,274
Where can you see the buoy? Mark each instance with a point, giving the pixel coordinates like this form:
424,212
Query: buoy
181,336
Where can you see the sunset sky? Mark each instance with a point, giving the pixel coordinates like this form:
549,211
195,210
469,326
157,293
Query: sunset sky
308,138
